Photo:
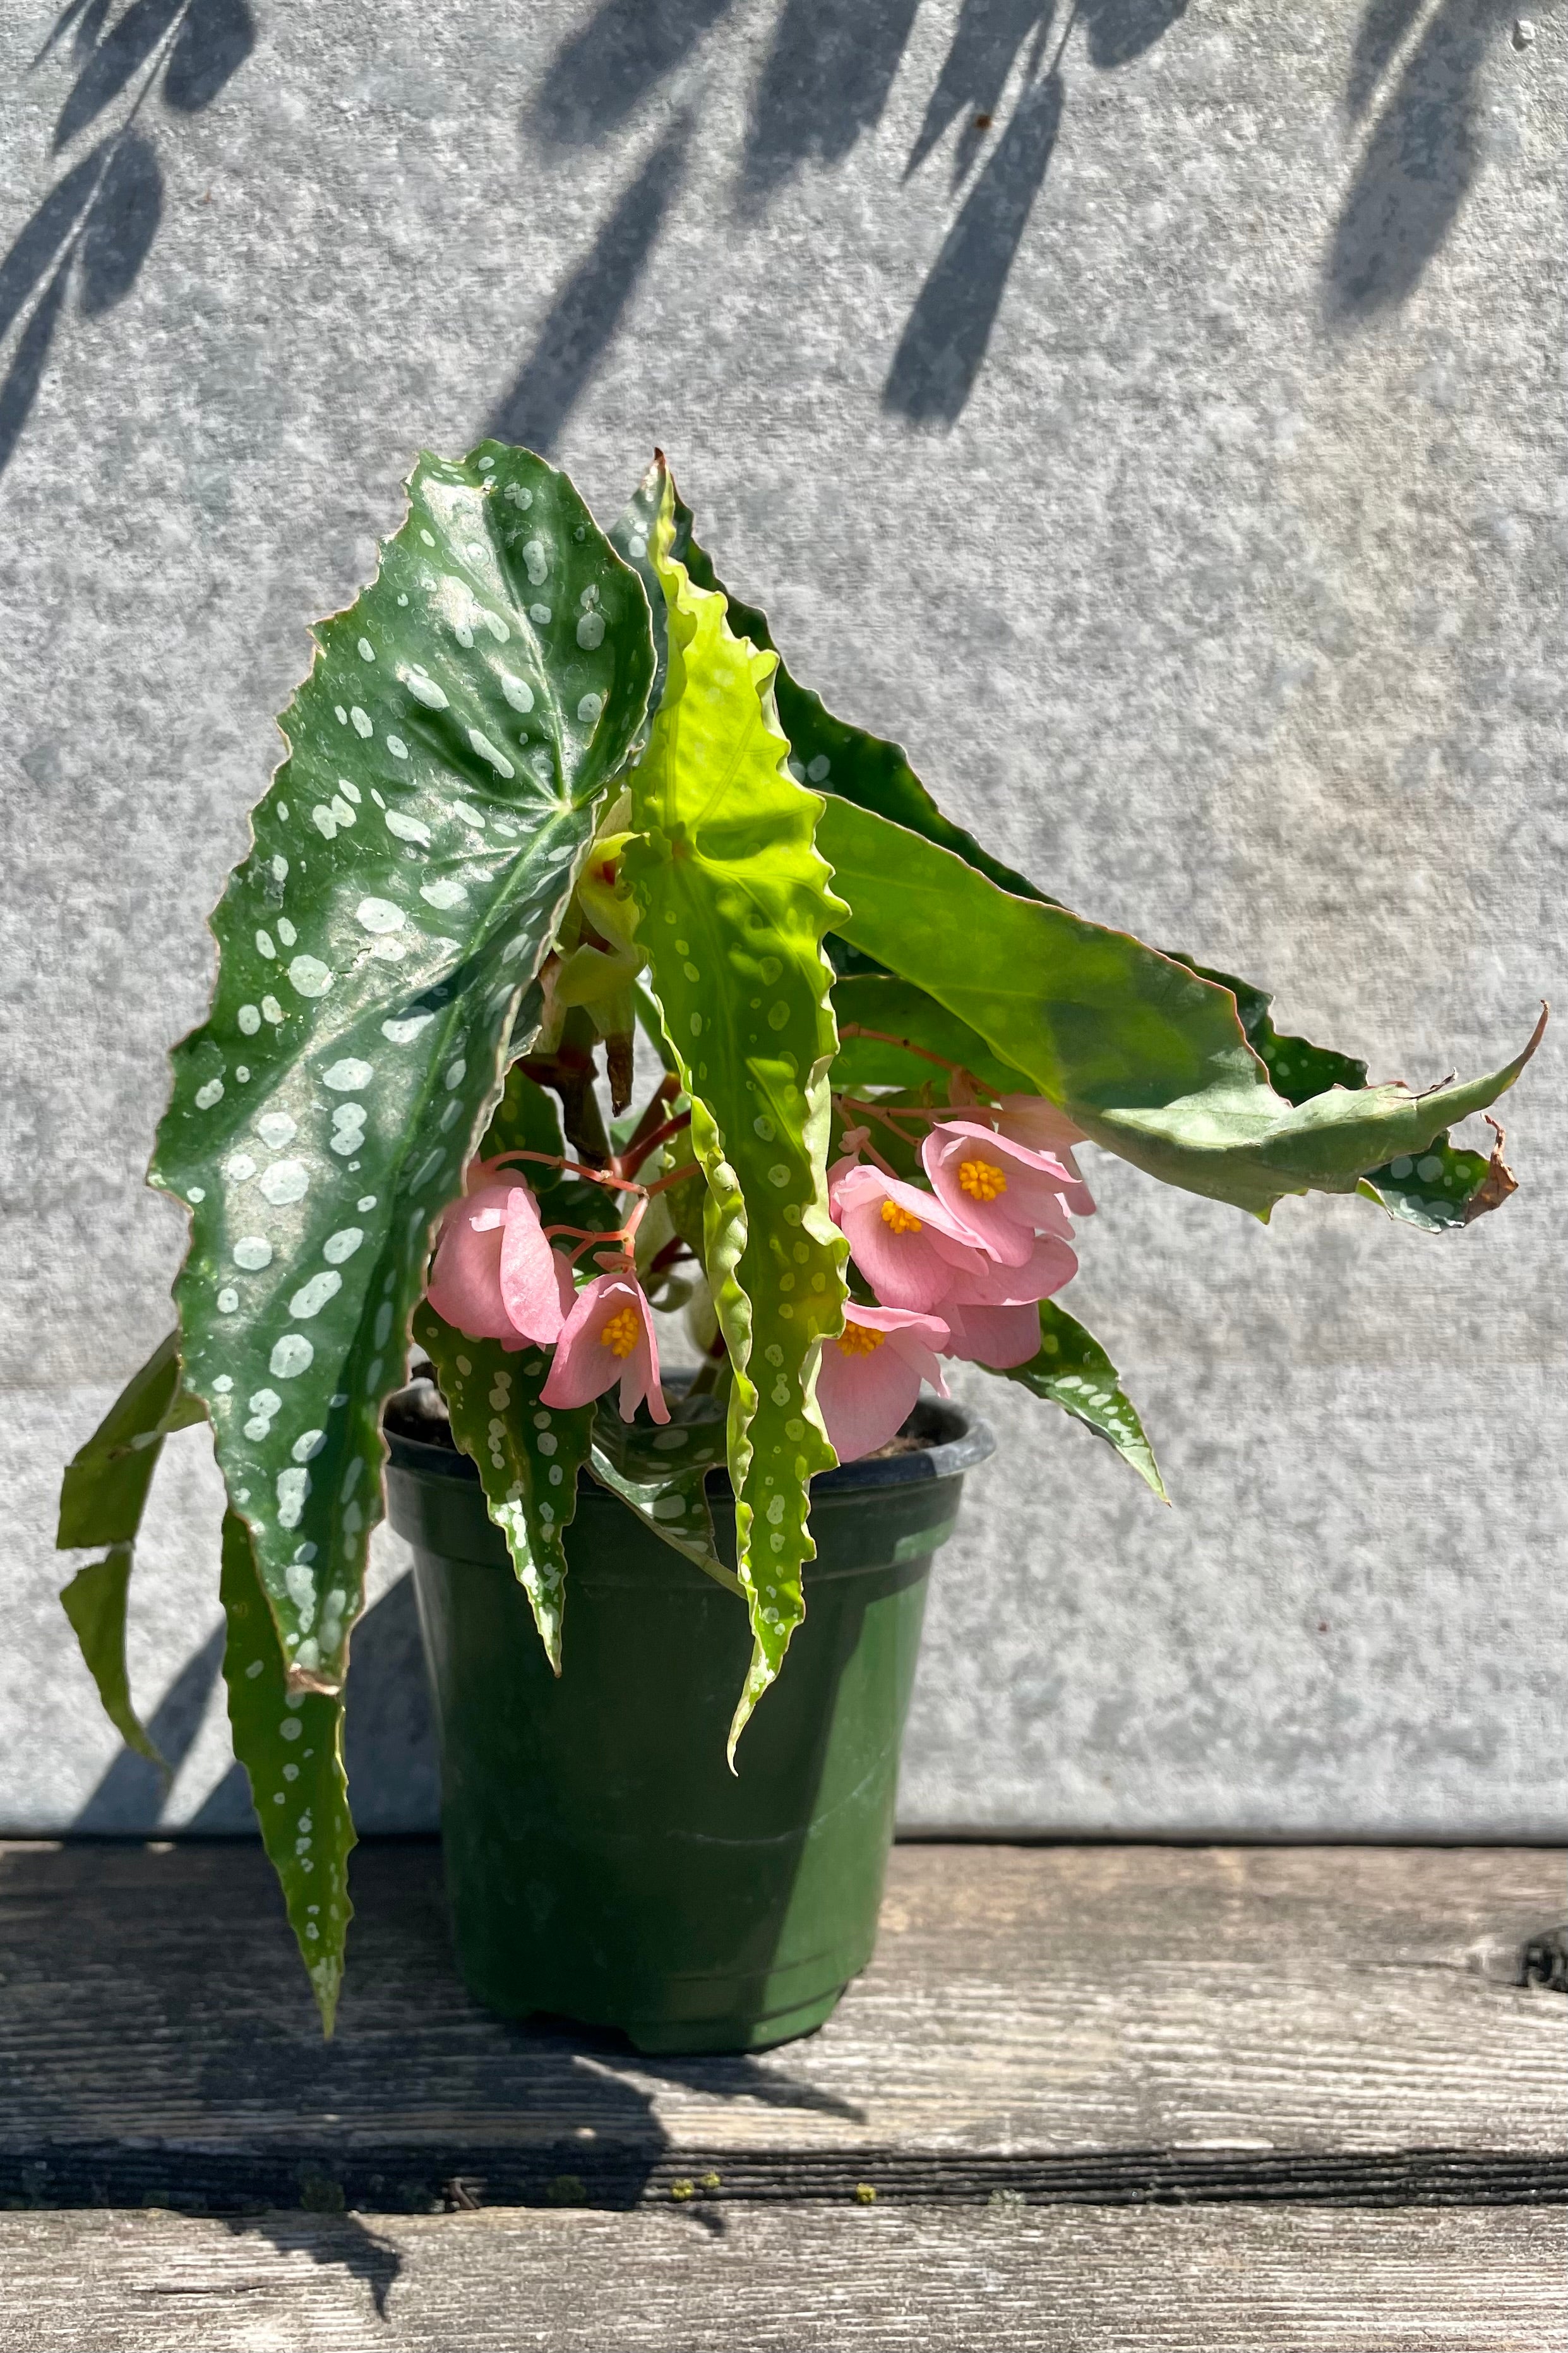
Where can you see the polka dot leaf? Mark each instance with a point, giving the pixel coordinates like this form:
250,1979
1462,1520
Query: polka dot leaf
378,949
734,901
1073,1371
291,1743
527,1455
662,1476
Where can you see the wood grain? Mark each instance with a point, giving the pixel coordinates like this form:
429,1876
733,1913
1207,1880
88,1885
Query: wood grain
1111,2023
1238,2279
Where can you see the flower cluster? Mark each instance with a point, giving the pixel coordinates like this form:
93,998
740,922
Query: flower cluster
957,1270
956,1266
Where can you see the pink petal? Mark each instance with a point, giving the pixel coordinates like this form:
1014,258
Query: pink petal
464,1287
585,1367
864,1400
1050,1265
1033,1187
998,1336
534,1281
1044,1126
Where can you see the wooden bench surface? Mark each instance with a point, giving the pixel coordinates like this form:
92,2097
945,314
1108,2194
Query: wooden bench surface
1105,2096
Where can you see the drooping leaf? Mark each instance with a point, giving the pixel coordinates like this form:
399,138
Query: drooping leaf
527,1454
291,1743
412,856
735,902
662,1475
1435,1186
104,1490
102,1496
1433,1190
95,1602
1150,1060
1073,1370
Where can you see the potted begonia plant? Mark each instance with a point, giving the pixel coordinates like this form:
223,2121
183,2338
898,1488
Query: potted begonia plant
547,787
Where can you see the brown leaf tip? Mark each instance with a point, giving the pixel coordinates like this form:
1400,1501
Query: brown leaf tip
1498,1183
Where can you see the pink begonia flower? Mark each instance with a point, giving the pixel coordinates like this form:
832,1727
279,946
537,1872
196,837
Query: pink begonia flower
1051,1263
1002,1191
906,1244
608,1338
998,1336
870,1376
495,1276
1044,1126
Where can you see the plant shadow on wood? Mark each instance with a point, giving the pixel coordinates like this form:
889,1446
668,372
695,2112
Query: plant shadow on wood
1422,155
944,343
98,224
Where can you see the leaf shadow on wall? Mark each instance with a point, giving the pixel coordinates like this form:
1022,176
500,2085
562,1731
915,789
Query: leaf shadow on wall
1422,155
824,83
98,223
943,345
590,305
599,77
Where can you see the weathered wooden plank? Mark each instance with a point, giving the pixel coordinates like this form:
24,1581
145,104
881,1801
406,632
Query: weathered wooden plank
1235,2279
1112,2022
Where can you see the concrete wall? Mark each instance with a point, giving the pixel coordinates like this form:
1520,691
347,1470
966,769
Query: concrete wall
1175,460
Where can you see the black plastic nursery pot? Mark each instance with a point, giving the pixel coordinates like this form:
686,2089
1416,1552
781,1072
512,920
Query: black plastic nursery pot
602,1860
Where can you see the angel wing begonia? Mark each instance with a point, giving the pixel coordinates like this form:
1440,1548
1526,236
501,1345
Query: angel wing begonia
870,1375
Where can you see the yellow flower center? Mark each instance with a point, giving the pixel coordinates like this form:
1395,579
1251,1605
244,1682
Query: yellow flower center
981,1179
902,1221
621,1332
861,1339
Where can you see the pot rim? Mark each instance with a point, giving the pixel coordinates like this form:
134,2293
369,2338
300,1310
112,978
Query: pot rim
958,1439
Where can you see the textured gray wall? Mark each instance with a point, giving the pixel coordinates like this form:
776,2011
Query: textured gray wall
1176,465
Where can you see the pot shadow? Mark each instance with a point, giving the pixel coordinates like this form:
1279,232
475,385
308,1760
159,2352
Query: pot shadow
1422,155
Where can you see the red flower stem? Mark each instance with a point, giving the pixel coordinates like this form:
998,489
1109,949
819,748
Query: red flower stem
636,1142
840,1102
637,1152
886,1038
575,1167
675,1176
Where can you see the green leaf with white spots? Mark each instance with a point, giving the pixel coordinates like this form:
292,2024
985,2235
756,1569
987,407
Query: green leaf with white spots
102,1496
662,1475
291,1744
411,862
527,1454
735,902
1073,1371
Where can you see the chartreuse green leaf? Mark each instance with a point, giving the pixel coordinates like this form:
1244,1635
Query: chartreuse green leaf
1073,1370
527,1454
1150,1060
291,1743
102,1497
735,902
411,861
662,1475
